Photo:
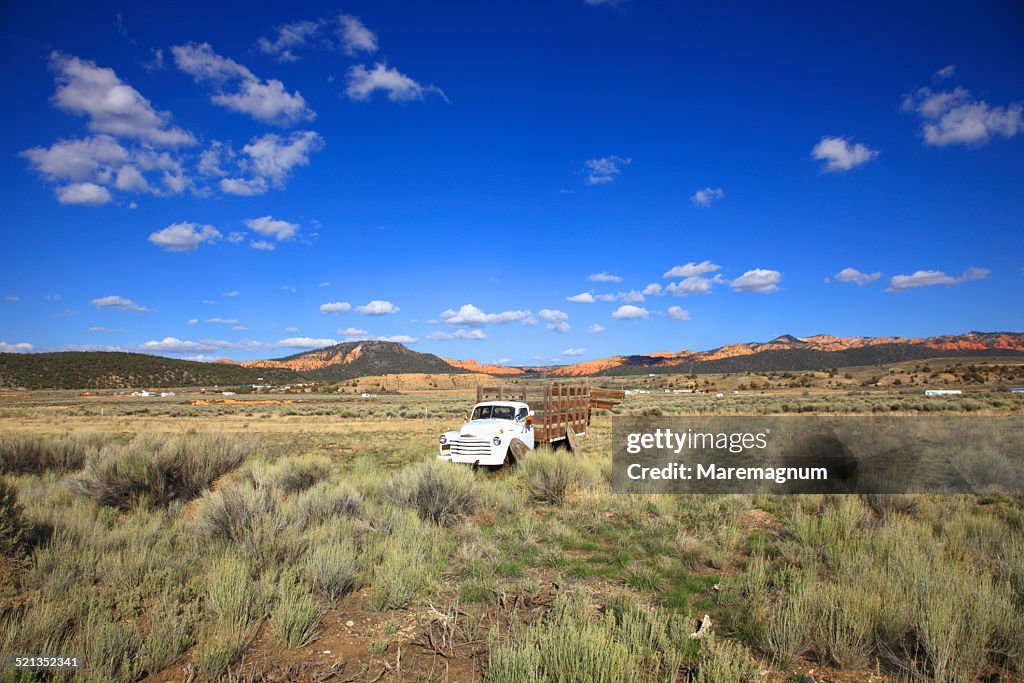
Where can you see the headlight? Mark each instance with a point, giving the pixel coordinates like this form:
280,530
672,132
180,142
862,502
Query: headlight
443,440
497,441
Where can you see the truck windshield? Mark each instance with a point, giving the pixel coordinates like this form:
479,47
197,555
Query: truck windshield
493,412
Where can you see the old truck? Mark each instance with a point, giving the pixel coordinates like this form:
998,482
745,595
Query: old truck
508,422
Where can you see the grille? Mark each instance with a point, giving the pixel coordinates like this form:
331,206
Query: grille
470,448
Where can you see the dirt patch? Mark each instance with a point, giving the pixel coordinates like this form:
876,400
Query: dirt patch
761,520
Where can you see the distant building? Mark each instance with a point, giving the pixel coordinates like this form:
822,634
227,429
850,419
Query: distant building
942,392
1017,390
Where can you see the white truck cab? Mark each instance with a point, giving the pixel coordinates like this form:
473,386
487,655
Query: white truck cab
486,437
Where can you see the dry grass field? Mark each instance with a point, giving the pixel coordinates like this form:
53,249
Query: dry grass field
313,537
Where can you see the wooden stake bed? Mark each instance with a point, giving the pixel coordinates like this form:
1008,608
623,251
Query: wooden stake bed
556,407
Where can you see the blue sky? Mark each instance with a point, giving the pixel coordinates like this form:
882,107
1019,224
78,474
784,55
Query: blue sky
514,182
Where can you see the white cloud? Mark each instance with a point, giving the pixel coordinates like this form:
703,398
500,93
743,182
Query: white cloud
78,160
355,37
90,194
305,343
119,303
581,298
629,311
595,329
268,227
469,314
233,292
677,313
262,245
361,83
356,334
558,321
111,106
242,187
353,333
457,334
691,269
378,307
212,158
855,276
291,330
604,169
944,73
184,236
193,321
574,352
695,284
604,277
175,345
221,321
706,197
632,296
20,347
839,155
289,36
272,157
928,278
237,88
335,307
104,330
12,297
955,117
131,180
653,289
758,280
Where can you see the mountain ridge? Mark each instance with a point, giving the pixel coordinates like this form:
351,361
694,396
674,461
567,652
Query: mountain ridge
350,360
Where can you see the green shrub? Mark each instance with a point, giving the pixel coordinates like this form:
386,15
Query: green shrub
439,493
171,632
109,646
295,616
218,649
298,474
550,475
12,522
332,568
575,643
407,560
323,502
232,512
157,469
723,661
37,454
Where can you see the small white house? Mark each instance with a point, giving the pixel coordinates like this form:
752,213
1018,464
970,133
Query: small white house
942,392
